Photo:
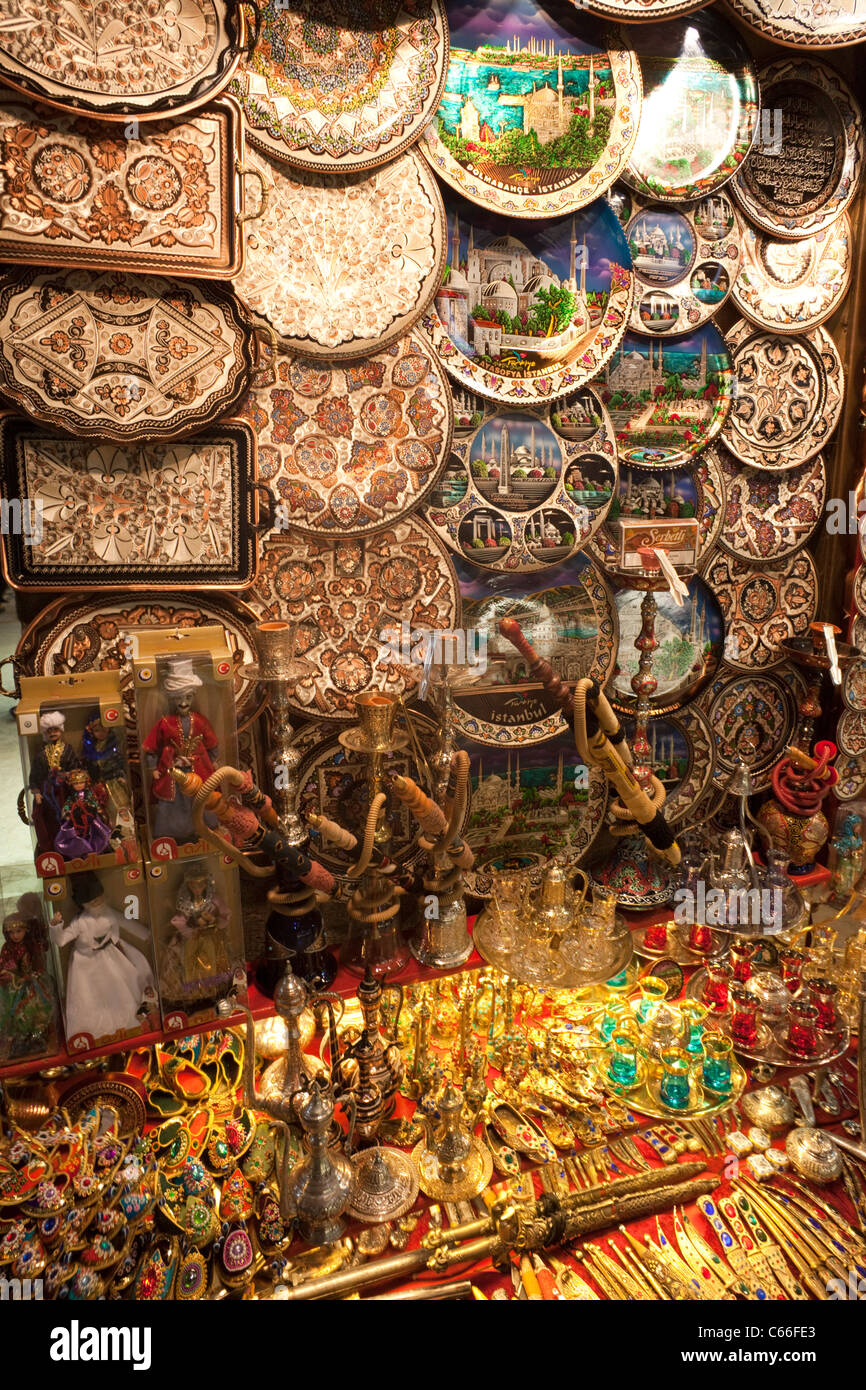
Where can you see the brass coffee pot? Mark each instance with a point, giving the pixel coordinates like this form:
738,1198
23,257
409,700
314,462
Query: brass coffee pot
321,1184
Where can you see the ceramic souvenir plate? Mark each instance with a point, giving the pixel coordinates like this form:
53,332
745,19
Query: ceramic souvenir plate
690,641
686,262
342,264
769,516
120,58
790,286
567,613
852,778
763,607
859,592
641,11
681,757
121,356
858,629
538,115
530,318
806,168
700,108
854,685
348,449
681,493
525,489
813,24
667,399
166,197
851,733
752,719
789,395
346,594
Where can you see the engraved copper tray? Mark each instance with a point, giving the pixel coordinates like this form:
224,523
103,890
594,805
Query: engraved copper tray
763,607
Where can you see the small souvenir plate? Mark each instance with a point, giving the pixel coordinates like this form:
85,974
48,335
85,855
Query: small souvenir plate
852,778
854,685
763,607
349,448
851,734
788,398
530,318
539,115
700,108
342,86
568,615
806,168
752,719
686,262
769,516
681,494
814,24
681,757
667,399
690,641
526,489
791,286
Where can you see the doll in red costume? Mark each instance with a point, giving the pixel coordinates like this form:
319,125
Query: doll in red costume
184,739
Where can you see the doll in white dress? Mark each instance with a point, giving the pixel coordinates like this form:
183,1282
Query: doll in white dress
108,980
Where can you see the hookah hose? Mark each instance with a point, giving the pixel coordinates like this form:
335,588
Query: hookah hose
380,902
800,783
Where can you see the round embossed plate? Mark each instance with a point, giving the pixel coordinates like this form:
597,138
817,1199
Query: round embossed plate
813,24
349,448
341,265
667,399
641,11
763,607
700,108
690,639
343,86
684,493
851,733
525,489
686,261
752,719
769,516
790,286
539,114
806,168
854,685
530,318
852,778
681,757
789,395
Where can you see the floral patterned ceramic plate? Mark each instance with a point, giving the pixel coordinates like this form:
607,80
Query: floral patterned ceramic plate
752,718
348,448
852,778
769,516
567,613
667,399
789,395
690,641
530,318
342,86
538,115
684,493
806,169
686,262
851,734
763,607
854,685
681,757
341,265
813,24
526,488
121,356
791,286
700,108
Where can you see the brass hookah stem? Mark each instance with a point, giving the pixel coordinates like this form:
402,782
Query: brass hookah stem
644,685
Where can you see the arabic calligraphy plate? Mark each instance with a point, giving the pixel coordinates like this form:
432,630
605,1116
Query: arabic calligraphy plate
763,607
686,262
813,24
769,516
752,719
791,286
697,491
690,642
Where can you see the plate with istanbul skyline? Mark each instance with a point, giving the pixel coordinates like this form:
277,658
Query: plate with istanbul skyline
539,115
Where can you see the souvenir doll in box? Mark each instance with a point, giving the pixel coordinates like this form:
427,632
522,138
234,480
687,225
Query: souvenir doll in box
198,932
28,993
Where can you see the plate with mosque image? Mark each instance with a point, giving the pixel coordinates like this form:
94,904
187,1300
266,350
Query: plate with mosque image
667,400
531,318
568,615
526,488
680,756
686,261
700,108
690,637
538,115
665,495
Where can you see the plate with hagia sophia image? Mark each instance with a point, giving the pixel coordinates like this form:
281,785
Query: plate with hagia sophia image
539,112
525,488
690,639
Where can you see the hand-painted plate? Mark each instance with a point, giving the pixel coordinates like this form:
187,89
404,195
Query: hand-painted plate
851,734
806,169
690,641
852,778
789,395
349,596
752,719
526,488
530,318
342,264
813,24
119,356
684,493
681,757
539,115
567,613
859,592
667,399
769,516
641,11
686,261
791,286
763,607
700,108
349,448
854,685
343,86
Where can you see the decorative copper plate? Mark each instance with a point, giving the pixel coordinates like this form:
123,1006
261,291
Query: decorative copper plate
539,113
790,286
858,630
789,395
342,264
681,757
813,24
684,493
851,734
769,516
686,262
343,86
763,607
859,594
122,356
690,643
852,778
752,719
806,169
164,197
350,596
349,449
524,489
